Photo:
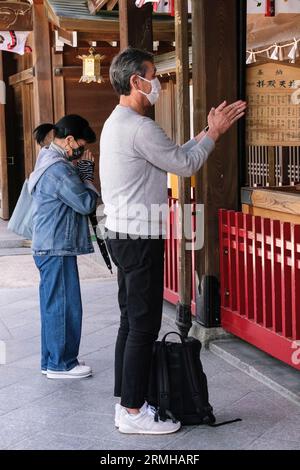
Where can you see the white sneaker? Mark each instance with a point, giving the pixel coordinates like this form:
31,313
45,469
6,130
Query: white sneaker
80,363
78,372
118,410
145,423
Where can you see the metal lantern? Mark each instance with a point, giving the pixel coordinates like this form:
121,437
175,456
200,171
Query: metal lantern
91,67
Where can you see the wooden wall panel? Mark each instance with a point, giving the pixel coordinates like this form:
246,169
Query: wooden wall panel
94,102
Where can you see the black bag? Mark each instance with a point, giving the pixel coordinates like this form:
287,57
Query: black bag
178,385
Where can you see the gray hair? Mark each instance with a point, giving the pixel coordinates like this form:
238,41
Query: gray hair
124,65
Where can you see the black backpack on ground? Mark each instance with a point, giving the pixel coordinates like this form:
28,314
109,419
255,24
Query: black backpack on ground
178,385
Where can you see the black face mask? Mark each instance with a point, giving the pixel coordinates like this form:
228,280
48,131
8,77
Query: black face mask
76,153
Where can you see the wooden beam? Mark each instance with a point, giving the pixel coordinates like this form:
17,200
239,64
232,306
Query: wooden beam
4,209
277,200
111,4
21,76
183,135
43,111
96,5
135,25
67,37
75,71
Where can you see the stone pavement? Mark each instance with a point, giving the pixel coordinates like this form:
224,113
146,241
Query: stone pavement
37,413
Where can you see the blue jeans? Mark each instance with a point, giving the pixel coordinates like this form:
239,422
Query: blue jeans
61,311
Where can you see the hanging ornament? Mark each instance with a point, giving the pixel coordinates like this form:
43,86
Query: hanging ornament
14,41
91,67
159,6
274,55
293,52
141,3
251,58
270,8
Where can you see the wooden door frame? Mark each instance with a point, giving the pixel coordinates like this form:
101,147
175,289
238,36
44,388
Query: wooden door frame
23,79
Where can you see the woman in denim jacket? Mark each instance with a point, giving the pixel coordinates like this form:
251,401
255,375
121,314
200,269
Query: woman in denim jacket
63,195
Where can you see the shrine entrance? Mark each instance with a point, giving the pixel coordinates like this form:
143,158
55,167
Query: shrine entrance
260,246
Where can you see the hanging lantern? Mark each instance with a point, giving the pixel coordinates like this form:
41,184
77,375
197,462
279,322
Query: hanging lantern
91,67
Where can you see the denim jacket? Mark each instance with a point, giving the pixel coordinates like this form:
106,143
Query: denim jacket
61,204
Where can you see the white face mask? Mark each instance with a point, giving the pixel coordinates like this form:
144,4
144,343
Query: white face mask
156,87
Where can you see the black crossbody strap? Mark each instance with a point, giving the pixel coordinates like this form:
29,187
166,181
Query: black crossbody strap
163,381
216,425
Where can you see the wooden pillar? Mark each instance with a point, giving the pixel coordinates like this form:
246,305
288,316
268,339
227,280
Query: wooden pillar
215,78
29,157
135,25
4,211
42,65
136,29
58,86
183,320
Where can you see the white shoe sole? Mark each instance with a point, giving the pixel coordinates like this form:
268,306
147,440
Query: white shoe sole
63,375
44,372
125,430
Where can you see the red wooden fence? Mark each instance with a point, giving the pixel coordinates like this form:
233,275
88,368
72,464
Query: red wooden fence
171,260
260,283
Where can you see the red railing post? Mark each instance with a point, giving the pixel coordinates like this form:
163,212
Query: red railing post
257,270
223,240
248,226
276,277
286,286
232,284
266,272
295,288
240,267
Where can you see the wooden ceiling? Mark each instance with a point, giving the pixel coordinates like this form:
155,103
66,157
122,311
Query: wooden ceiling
74,15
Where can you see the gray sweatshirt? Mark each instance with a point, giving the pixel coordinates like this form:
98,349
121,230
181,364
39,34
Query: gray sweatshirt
135,157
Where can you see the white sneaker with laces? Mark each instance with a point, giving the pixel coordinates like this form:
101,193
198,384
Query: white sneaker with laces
146,422
78,372
44,371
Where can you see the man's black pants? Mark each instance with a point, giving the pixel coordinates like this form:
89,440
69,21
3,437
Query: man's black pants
140,265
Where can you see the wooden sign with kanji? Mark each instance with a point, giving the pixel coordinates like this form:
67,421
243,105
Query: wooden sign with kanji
273,116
